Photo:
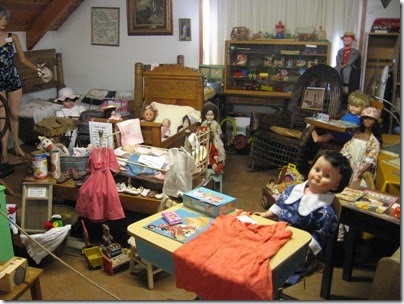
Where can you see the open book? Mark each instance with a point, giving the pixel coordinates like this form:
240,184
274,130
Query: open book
367,199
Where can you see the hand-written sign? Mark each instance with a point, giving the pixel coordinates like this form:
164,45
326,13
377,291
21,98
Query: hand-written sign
105,26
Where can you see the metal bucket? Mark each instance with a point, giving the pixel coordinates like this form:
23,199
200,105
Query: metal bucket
39,164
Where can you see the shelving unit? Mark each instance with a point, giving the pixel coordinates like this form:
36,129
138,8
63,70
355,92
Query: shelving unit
381,49
270,68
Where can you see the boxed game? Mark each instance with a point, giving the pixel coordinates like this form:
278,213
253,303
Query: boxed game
171,217
209,202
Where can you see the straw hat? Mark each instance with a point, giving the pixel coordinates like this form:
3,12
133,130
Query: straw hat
66,93
371,112
46,74
349,34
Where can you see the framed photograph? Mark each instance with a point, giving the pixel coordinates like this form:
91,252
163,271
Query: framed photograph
313,98
150,17
105,26
185,29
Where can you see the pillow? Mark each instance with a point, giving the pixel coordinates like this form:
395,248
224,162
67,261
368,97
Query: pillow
175,114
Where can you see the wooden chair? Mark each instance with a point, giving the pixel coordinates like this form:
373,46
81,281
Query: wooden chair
278,149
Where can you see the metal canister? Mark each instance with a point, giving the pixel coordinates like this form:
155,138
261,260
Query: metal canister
39,164
55,162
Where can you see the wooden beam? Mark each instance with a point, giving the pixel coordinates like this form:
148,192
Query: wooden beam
56,10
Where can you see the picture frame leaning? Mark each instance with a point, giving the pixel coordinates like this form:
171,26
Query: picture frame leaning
149,17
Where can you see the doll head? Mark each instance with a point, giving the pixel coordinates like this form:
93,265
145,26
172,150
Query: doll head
332,164
149,113
67,97
186,122
348,39
357,101
166,122
210,112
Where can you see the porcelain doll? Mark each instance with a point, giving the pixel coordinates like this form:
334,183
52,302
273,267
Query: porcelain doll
217,155
149,113
357,101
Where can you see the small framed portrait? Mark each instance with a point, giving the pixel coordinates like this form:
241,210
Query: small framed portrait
185,29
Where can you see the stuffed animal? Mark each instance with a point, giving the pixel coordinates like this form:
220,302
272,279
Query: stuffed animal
48,145
54,222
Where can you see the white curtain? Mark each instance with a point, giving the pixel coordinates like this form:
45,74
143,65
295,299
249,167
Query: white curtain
220,16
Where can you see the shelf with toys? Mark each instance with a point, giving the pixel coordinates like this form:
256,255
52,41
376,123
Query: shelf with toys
270,68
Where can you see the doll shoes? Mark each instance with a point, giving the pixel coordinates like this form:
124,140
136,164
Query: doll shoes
133,190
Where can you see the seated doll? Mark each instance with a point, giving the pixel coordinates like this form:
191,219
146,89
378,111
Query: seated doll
357,101
69,110
149,113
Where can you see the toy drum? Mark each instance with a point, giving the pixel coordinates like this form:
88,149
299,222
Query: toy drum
39,164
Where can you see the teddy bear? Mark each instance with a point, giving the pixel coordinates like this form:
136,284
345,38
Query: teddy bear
48,145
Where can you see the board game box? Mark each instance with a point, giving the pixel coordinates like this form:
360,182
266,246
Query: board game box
208,201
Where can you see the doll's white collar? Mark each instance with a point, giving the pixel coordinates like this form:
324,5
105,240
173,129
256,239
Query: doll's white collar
308,202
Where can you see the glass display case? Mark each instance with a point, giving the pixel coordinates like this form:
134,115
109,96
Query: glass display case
270,67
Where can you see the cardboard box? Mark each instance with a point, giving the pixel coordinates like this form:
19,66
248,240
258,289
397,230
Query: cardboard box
209,202
13,273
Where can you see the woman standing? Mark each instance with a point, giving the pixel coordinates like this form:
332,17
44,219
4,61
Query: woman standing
10,82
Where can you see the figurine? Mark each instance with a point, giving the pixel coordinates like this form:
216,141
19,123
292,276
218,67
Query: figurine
322,35
279,30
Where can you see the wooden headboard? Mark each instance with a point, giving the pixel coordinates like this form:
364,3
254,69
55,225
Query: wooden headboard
30,80
168,84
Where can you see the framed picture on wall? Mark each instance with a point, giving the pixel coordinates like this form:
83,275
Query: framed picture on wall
150,17
105,26
185,29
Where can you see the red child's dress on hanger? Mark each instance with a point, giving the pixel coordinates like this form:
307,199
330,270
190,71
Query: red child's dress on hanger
98,198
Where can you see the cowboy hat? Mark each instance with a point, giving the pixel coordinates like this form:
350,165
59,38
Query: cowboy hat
349,34
66,93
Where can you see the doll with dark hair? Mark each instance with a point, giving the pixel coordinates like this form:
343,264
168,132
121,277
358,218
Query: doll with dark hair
308,205
363,149
217,155
186,122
